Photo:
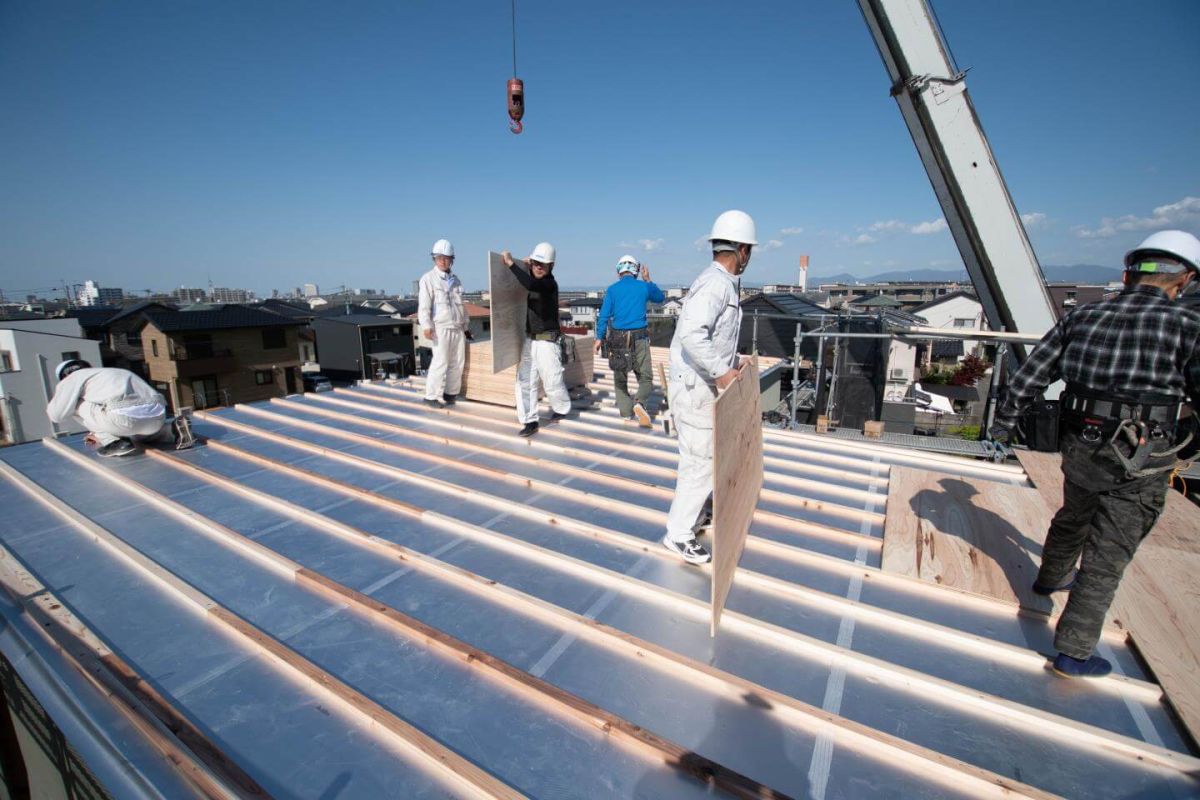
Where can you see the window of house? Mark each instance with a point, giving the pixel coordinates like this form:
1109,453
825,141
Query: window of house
263,376
374,335
198,346
964,322
487,325
205,393
396,331
70,354
274,338
154,347
1072,295
6,361
133,338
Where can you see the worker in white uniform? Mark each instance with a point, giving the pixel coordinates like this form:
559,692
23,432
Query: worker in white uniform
444,324
542,355
117,407
704,360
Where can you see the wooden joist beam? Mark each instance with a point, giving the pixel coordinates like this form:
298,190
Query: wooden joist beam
457,771
900,678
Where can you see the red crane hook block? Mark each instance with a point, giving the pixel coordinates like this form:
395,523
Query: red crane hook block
516,104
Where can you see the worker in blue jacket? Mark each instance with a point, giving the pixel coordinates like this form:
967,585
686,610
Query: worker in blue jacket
621,325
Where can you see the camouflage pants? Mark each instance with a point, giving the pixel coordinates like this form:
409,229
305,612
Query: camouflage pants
1103,519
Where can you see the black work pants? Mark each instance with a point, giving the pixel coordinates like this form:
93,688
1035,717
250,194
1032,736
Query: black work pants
1103,519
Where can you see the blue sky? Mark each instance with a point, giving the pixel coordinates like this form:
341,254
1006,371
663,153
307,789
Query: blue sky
266,144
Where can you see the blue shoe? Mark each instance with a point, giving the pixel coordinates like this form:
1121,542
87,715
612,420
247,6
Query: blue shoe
1092,667
1046,591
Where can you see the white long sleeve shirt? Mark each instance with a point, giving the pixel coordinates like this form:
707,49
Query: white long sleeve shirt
439,300
105,386
706,334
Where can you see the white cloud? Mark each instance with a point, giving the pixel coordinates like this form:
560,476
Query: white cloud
1034,219
926,228
646,245
773,244
1184,213
701,243
887,225
796,231
864,238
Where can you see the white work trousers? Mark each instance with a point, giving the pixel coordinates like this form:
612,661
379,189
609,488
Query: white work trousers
540,359
445,370
107,424
691,412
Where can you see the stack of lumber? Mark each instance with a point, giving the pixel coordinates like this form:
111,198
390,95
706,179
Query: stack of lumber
480,383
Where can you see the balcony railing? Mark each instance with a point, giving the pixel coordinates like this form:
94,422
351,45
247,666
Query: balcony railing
185,354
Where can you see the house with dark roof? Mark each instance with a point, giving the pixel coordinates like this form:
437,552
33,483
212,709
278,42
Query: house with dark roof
777,315
220,356
354,346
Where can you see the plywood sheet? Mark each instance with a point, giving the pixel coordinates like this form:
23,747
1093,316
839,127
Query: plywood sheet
973,534
737,478
1158,601
509,309
480,383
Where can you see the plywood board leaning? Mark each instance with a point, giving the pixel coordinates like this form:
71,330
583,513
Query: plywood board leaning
973,534
737,478
509,309
1158,601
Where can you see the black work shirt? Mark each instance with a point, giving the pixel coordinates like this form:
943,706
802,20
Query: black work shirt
543,301
1138,343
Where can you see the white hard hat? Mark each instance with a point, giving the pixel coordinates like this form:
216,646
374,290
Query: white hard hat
442,247
734,226
1179,245
70,365
628,264
544,253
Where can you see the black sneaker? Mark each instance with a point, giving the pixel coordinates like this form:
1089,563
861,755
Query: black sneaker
121,447
432,401
555,417
449,399
1046,591
690,551
529,430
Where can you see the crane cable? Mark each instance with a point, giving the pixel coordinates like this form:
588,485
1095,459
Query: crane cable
516,87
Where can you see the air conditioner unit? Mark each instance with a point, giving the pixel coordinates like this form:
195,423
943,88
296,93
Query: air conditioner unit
897,374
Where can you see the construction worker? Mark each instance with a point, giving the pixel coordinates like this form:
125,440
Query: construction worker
444,324
1128,363
542,355
622,326
704,360
117,407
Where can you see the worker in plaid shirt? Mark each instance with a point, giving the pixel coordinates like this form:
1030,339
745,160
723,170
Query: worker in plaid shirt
1130,362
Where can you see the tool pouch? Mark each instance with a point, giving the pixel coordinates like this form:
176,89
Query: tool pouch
1039,426
566,349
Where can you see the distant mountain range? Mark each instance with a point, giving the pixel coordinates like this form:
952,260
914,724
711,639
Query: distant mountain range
1074,273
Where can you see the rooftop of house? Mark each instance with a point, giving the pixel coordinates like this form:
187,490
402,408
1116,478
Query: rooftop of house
223,317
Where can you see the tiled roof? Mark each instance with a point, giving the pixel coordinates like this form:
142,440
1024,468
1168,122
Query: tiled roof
232,316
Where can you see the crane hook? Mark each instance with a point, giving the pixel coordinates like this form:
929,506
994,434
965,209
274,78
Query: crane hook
516,104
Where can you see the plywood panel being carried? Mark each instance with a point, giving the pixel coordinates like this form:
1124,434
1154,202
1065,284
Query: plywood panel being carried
480,383
509,309
737,478
973,534
1158,601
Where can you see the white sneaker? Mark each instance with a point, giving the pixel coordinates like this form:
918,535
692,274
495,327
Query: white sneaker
643,417
690,551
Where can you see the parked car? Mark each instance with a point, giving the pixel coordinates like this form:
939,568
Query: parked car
317,383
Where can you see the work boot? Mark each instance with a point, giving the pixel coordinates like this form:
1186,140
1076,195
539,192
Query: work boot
1046,591
690,551
449,399
529,430
643,416
121,447
1092,667
433,401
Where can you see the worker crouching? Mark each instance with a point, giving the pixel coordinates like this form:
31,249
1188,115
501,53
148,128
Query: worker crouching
1129,363
542,355
704,360
443,322
117,407
621,326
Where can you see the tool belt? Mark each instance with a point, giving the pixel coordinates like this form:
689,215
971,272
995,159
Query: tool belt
619,346
1145,424
546,336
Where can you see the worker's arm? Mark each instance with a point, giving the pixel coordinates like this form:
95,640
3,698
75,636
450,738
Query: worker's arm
697,319
653,293
425,303
606,312
1039,371
66,399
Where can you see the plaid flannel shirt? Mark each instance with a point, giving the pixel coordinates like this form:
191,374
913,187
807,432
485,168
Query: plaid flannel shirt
1137,343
